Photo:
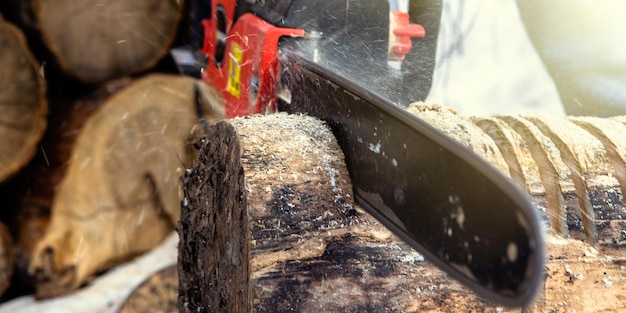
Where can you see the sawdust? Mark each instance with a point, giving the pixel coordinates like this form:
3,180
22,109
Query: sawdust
295,149
549,152
462,130
582,279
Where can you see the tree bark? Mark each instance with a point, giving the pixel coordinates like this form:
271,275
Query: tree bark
95,41
216,229
23,104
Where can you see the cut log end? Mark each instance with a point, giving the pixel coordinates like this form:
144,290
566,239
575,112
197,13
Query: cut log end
23,105
39,181
131,149
95,41
214,231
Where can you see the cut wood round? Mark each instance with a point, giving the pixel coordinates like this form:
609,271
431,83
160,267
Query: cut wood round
95,41
39,181
574,169
120,195
23,105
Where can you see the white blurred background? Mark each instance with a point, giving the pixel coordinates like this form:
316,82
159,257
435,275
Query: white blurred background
494,57
486,63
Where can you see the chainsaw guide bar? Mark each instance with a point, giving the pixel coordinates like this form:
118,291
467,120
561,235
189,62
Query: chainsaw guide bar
442,199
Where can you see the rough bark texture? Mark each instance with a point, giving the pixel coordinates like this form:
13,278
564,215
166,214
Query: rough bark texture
214,249
95,41
312,251
120,195
23,104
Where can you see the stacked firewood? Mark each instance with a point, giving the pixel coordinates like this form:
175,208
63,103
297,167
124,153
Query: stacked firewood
62,62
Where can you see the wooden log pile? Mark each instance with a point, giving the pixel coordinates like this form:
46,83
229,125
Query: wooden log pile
23,101
95,41
61,62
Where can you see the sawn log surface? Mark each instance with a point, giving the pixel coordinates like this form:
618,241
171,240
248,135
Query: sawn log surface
311,249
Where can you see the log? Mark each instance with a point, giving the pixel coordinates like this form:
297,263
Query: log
23,104
120,195
573,169
225,227
312,249
96,41
36,186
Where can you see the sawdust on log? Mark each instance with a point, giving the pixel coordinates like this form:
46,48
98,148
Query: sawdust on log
573,169
303,265
311,249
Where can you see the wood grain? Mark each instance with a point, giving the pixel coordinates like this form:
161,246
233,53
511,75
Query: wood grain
23,104
95,41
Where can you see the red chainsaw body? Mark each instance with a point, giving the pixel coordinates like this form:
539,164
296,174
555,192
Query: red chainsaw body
246,70
243,55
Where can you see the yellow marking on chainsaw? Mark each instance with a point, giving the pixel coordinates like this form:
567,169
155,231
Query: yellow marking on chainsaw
234,70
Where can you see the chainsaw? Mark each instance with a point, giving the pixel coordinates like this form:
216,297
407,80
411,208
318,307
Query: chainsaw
355,64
